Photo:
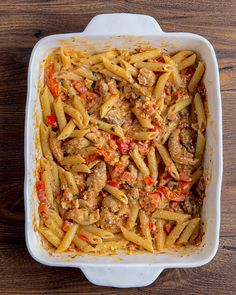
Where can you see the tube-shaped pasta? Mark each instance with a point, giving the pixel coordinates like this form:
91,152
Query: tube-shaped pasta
199,108
48,187
160,235
77,103
160,85
155,66
168,161
59,111
142,118
188,231
200,146
68,238
152,164
46,103
136,239
108,104
110,128
187,62
132,69
91,238
138,160
175,233
124,74
144,225
44,139
196,77
169,215
50,236
104,234
181,55
71,182
138,57
76,115
179,106
66,132
117,193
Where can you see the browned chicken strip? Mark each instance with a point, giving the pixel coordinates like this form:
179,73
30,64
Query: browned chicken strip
72,146
55,146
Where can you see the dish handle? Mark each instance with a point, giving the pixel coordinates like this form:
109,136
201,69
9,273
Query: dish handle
123,24
121,276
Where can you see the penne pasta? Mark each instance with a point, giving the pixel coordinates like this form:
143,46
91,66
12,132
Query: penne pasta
187,62
136,239
188,231
46,99
155,66
117,193
138,160
50,236
67,239
144,135
76,115
168,161
181,55
152,164
196,78
78,105
66,132
80,168
142,118
175,233
60,114
160,235
108,104
169,215
90,237
199,108
104,234
144,225
110,128
160,85
117,70
179,106
44,139
138,57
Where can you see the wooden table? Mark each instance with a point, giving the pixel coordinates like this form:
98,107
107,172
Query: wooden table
22,24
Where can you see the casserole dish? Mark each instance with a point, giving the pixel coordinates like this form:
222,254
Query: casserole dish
127,31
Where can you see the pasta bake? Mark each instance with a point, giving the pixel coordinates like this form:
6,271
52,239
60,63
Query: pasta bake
122,138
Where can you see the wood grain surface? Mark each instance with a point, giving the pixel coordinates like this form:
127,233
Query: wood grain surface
22,24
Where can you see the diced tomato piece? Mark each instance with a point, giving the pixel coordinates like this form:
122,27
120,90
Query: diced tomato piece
80,87
91,158
51,120
123,145
43,206
184,178
151,225
167,228
113,183
83,238
179,93
51,82
148,180
41,195
40,185
108,155
66,225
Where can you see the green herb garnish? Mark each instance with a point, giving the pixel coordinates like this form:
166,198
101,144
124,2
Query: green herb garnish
112,129
138,97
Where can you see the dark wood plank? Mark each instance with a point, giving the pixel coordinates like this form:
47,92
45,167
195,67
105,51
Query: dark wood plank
22,23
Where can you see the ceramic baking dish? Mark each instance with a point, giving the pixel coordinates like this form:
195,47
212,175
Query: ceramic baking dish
127,31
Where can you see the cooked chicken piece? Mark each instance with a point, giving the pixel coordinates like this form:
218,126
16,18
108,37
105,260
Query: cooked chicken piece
73,146
114,116
55,146
83,216
146,77
112,204
95,182
103,88
112,221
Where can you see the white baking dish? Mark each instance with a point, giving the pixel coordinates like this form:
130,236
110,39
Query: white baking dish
122,31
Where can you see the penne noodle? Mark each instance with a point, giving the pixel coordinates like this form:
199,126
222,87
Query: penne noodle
108,104
110,128
67,239
168,161
72,160
48,187
196,78
144,135
117,193
95,59
187,62
199,109
66,132
76,115
169,215
80,168
46,99
142,118
160,235
82,245
130,68
60,114
200,146
86,73
152,164
181,55
44,139
104,234
144,225
136,239
78,105
179,106
197,175
50,236
175,233
117,70
53,226
188,231
155,66
138,160
160,85
79,133
90,237
138,57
